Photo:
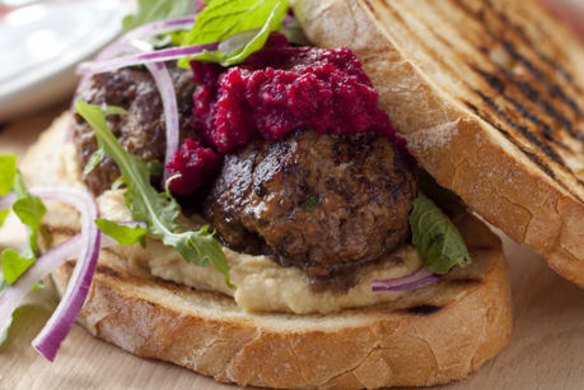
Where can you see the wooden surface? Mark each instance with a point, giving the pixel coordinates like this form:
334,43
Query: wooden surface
547,351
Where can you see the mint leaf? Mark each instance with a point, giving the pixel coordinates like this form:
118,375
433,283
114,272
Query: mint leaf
154,10
158,210
224,19
438,241
14,265
8,170
124,235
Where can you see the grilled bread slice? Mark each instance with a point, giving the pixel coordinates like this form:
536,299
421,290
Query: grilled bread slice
434,335
490,96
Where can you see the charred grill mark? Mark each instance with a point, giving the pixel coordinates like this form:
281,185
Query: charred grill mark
527,134
554,89
424,310
498,85
530,155
557,92
527,40
370,6
465,281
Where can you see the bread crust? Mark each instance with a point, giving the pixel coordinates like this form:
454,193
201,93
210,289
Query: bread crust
459,147
435,335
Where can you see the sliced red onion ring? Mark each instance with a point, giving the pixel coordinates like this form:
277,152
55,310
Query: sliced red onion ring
148,31
7,201
169,102
174,53
12,298
54,332
85,248
162,27
417,280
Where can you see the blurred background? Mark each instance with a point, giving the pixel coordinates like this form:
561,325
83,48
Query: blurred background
42,41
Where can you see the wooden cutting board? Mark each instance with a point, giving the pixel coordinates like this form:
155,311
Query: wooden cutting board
547,351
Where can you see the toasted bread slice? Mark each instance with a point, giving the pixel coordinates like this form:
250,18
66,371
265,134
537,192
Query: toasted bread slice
489,94
434,335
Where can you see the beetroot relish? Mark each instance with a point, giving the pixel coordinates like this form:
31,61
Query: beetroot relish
195,164
281,89
276,91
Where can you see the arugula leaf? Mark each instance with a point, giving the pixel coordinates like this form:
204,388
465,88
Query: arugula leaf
8,170
124,235
3,216
95,159
3,285
158,210
14,265
438,241
30,210
153,10
223,19
100,155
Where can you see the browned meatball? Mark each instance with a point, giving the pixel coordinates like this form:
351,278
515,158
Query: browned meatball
142,131
321,203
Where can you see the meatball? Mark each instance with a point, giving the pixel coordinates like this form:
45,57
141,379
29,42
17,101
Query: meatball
322,203
142,131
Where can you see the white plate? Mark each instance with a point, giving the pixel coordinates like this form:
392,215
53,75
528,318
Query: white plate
41,44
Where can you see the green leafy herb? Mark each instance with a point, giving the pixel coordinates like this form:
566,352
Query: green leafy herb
14,265
31,210
438,241
95,159
8,170
3,284
3,216
158,210
153,10
224,19
124,235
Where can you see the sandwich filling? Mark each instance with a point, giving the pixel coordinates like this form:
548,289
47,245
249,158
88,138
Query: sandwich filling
289,158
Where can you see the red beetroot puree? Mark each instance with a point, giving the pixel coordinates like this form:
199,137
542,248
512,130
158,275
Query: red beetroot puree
276,91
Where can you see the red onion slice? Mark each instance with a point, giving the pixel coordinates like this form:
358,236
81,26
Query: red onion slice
417,280
54,332
165,86
162,27
148,31
12,298
174,53
169,103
